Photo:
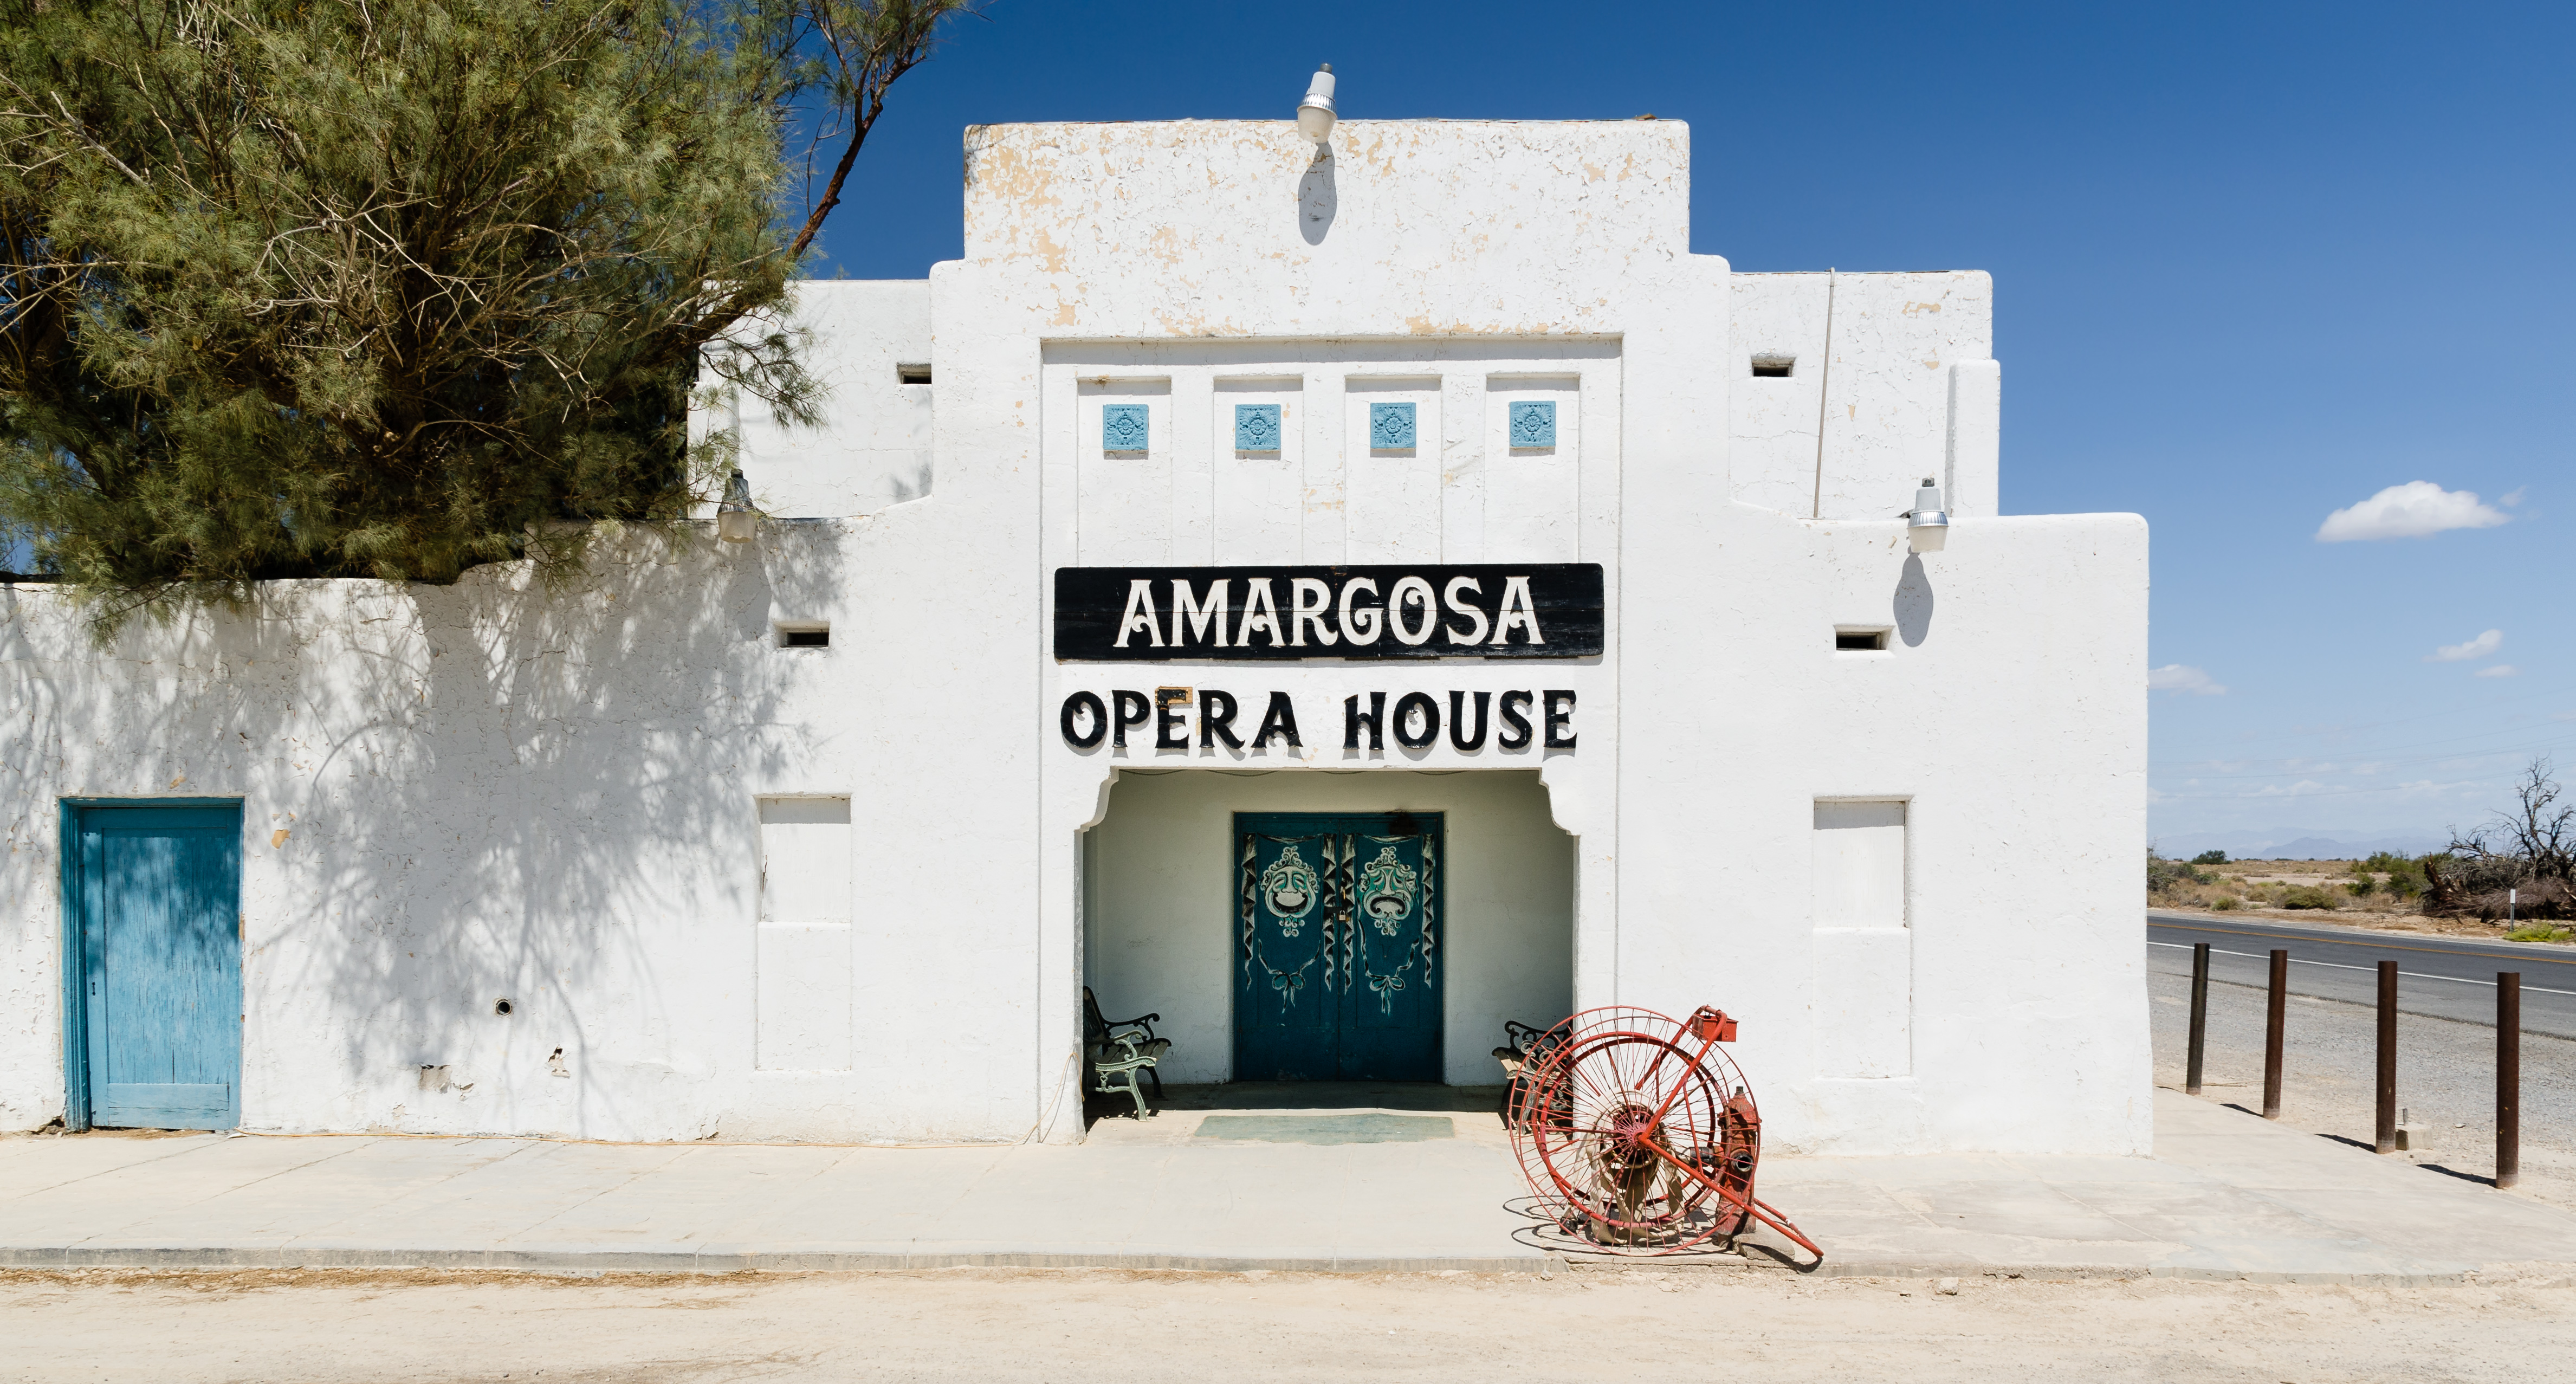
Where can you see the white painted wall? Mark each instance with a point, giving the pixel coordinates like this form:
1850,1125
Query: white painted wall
492,791
458,795
804,967
1160,889
873,446
1864,959
1909,389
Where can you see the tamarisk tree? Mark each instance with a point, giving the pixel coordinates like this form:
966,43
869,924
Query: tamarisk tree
388,288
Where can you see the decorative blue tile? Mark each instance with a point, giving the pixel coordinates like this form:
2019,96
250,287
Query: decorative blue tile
1123,427
1256,427
1533,422
1390,426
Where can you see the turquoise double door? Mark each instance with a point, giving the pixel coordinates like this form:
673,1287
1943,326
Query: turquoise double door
153,991
1339,946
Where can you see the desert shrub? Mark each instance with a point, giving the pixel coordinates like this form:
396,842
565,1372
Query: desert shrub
2210,858
2538,932
2404,876
2165,876
2362,888
2306,896
2225,903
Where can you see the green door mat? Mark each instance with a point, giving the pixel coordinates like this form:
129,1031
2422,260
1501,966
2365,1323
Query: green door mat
1328,1129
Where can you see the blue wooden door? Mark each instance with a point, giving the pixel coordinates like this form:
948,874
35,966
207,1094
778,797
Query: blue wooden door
157,902
1338,942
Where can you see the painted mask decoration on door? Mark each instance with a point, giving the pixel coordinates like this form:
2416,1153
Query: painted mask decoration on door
1388,888
1288,889
1358,893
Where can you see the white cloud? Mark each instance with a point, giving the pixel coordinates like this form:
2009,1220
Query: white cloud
2479,647
2512,497
2411,510
2497,670
2178,677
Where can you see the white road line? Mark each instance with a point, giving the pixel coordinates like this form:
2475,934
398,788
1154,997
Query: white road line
2337,965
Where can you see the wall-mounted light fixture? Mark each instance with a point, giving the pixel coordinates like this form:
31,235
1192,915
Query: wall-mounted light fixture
736,520
1925,523
1315,114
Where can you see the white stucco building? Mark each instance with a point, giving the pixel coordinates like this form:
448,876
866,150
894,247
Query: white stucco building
820,837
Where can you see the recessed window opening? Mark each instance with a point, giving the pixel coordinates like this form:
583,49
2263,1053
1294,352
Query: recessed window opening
912,374
805,636
1773,367
1849,641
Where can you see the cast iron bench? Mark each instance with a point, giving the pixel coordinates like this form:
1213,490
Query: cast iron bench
1121,1050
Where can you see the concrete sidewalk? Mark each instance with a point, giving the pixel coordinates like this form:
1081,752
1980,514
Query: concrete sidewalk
2226,1196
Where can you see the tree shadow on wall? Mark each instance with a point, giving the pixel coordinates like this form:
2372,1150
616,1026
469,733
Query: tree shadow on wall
489,792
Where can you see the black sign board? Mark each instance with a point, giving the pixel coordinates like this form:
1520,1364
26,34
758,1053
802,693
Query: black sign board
1488,610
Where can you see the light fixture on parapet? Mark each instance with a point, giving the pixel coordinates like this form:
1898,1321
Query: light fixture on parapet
736,520
1315,114
1926,524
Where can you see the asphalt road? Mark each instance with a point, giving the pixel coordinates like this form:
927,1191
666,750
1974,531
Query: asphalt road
2438,977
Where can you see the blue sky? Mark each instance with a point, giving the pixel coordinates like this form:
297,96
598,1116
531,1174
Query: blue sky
2253,265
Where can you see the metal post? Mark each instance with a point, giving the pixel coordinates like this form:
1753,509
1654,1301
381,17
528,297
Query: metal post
2387,1135
2508,1078
2199,1017
2275,1011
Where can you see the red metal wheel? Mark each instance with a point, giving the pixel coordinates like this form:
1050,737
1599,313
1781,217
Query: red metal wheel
1638,1133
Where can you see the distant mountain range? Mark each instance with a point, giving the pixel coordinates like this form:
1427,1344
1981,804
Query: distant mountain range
2297,843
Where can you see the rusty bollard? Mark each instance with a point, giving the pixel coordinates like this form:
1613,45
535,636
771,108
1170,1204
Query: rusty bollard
2275,1012
2387,1135
2199,1017
2508,1078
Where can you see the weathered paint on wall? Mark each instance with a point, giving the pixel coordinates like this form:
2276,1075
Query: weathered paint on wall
489,791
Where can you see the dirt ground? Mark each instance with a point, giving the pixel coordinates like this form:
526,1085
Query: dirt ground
1587,1324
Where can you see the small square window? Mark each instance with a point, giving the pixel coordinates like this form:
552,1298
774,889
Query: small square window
912,374
1534,423
1390,427
814,636
1770,367
1256,427
1123,427
1854,641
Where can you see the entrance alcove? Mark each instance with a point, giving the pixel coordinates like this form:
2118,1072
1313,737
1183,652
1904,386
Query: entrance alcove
1167,888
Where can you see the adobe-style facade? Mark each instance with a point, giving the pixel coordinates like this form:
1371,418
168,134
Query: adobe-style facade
1339,601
